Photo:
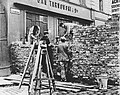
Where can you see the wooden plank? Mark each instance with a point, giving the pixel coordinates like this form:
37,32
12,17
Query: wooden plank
65,86
70,84
16,79
58,84
68,89
73,84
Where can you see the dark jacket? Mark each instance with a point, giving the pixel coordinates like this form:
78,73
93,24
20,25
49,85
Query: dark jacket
63,51
46,39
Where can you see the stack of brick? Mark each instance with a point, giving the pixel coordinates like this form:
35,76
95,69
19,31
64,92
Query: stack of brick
95,51
18,54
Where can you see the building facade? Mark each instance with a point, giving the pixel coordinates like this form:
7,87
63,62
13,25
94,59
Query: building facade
102,10
48,14
22,14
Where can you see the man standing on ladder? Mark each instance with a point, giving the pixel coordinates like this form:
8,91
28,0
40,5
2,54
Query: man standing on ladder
34,34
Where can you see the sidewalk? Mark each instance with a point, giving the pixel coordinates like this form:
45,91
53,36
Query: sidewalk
14,90
7,87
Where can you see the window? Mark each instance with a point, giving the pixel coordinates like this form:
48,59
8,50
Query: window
36,19
61,30
78,2
82,2
101,5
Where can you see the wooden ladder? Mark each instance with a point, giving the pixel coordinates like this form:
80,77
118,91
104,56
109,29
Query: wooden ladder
35,82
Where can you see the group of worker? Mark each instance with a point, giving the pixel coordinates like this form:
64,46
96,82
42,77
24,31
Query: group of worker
62,50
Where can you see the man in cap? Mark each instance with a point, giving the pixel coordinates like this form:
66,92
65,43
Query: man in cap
45,38
63,58
46,41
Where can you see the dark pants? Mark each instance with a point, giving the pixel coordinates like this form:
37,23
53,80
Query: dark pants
65,70
50,55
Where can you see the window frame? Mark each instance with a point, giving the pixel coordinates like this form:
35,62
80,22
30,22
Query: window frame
35,21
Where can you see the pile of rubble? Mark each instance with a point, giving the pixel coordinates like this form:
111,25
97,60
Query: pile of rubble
18,54
95,51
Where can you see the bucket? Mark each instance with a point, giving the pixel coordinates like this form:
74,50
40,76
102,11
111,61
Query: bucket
102,81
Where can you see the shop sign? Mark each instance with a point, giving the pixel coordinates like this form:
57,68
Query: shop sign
115,6
58,5
14,11
42,2
62,6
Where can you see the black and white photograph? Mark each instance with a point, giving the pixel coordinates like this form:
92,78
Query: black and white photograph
59,47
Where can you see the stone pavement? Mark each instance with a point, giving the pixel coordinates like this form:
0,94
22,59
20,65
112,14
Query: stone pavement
7,88
14,90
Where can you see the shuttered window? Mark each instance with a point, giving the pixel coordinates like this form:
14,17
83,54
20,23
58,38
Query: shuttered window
101,5
82,2
60,29
78,2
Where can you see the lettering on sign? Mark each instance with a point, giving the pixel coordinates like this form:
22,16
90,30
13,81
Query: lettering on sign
62,6
59,5
42,2
115,6
14,11
115,1
115,10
